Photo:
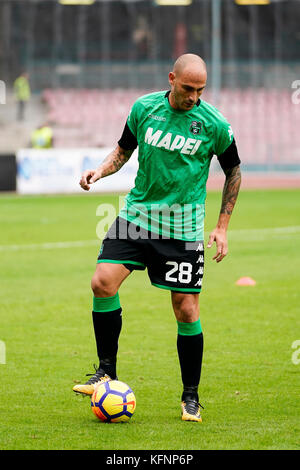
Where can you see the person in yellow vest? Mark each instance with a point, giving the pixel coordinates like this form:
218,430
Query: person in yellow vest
42,137
22,94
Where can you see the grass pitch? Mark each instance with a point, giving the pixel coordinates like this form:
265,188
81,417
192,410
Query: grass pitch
249,385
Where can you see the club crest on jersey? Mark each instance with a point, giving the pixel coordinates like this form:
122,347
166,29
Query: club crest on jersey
196,127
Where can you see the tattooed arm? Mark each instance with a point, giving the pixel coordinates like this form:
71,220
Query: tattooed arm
229,197
112,163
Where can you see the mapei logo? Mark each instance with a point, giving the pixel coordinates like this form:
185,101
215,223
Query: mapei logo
169,142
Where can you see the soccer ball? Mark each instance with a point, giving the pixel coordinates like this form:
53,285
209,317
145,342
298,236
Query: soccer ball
113,401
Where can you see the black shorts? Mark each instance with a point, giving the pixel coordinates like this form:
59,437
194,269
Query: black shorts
172,264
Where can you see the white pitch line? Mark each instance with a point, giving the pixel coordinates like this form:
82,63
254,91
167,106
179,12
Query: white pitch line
252,234
51,245
290,229
243,234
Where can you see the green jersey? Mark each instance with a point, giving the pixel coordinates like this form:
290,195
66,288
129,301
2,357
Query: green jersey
175,149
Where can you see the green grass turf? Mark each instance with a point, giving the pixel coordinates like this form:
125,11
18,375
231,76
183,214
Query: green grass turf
249,385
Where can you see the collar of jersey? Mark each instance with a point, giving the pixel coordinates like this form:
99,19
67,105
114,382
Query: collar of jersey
178,111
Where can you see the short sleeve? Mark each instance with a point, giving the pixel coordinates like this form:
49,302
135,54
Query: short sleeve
230,158
224,137
132,120
128,141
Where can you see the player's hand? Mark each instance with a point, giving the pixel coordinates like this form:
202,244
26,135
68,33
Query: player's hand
218,236
89,177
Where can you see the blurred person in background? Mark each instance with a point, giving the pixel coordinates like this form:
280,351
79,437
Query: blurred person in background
22,94
142,38
42,137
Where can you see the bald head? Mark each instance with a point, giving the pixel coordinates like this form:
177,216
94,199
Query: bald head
189,61
187,80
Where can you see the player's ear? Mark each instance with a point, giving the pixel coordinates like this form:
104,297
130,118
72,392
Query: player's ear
171,78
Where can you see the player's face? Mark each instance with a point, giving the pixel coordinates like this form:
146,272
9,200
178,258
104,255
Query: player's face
186,89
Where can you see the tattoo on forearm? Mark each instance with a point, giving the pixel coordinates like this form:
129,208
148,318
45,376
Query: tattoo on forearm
231,190
115,160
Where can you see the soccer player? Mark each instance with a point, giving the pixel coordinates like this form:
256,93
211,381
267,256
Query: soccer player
161,224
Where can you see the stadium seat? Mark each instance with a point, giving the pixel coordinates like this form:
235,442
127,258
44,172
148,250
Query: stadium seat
265,121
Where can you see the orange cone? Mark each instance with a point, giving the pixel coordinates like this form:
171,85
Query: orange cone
246,281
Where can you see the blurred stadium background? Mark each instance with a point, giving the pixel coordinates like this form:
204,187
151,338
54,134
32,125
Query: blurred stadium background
87,63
